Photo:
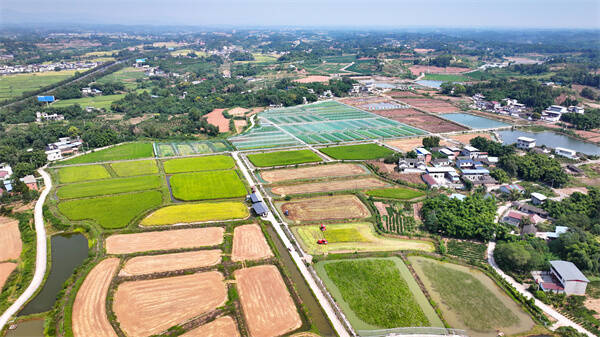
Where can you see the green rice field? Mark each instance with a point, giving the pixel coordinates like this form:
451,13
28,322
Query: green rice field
400,193
283,158
98,102
205,163
108,186
73,174
13,86
125,151
174,149
127,76
109,212
207,185
377,293
446,77
188,213
357,152
135,168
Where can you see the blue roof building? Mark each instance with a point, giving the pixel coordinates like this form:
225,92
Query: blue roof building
260,208
254,198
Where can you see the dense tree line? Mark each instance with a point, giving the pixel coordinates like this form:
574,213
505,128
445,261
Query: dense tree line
522,256
493,148
588,121
529,69
577,75
241,56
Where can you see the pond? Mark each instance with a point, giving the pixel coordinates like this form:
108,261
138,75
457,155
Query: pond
550,139
474,122
430,83
33,328
68,252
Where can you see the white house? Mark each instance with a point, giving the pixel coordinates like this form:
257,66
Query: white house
576,109
570,277
561,151
538,198
553,113
525,143
53,154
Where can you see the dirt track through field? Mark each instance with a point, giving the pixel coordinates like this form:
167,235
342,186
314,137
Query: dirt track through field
10,239
221,327
326,208
327,186
149,307
5,270
89,309
249,243
149,264
164,240
267,305
313,172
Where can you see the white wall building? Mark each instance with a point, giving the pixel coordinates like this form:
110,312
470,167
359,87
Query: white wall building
525,143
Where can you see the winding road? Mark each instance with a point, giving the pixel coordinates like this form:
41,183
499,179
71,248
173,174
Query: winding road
40,261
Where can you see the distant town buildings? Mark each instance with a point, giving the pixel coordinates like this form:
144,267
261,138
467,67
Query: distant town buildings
38,68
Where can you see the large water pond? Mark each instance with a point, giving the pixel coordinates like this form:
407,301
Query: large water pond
550,139
34,328
68,252
430,83
474,122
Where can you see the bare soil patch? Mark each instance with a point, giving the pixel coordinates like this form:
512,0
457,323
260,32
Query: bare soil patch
10,239
148,307
216,118
313,172
593,304
267,305
390,172
164,240
418,69
138,120
409,144
466,138
431,105
221,327
89,309
313,79
149,264
381,208
327,186
239,125
5,270
326,208
237,111
403,94
420,120
359,101
249,243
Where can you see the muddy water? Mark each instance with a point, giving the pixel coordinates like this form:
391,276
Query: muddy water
315,312
34,328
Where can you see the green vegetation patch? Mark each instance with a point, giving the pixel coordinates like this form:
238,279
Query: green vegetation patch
446,77
357,152
377,293
120,152
135,168
207,185
395,193
205,163
111,211
283,158
75,174
12,86
186,213
109,186
98,102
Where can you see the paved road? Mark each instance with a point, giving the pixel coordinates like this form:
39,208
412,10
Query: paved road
560,319
40,262
337,324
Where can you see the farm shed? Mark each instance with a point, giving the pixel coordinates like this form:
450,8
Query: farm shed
260,208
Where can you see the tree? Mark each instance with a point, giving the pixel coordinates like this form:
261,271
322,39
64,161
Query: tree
430,142
500,175
73,132
588,93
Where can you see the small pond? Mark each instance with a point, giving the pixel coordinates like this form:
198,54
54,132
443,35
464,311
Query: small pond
430,83
550,139
474,122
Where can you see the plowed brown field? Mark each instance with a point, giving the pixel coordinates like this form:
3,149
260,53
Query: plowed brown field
420,120
327,186
89,309
221,327
164,240
431,105
249,243
10,239
149,264
5,270
313,172
148,307
267,305
326,208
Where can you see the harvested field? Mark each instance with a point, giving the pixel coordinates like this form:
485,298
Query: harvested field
313,79
313,172
420,120
328,186
267,305
89,309
326,208
221,327
237,111
164,240
466,138
10,239
149,307
249,243
405,93
149,264
5,270
216,118
418,69
389,171
239,125
409,144
431,105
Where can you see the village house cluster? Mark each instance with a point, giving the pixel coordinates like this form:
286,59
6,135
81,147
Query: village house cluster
38,68
65,146
511,107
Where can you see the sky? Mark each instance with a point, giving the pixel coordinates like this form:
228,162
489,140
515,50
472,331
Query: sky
321,13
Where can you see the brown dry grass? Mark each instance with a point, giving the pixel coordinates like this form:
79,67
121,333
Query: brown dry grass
466,138
89,309
216,118
149,264
409,144
327,186
431,105
237,111
221,327
239,125
418,69
149,307
312,172
10,239
249,243
5,270
420,120
326,208
267,305
164,240
313,79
